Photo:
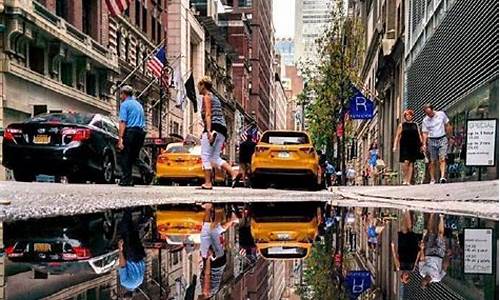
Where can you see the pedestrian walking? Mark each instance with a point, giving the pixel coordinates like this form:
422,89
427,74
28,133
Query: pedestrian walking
247,148
329,173
131,133
409,141
214,134
372,159
436,130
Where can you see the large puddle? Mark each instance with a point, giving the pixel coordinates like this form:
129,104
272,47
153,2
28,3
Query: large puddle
243,251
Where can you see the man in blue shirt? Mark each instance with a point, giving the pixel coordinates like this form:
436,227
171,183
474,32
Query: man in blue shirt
131,132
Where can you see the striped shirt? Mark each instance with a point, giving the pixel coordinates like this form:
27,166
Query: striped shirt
218,120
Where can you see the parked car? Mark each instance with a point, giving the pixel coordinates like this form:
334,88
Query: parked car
285,154
85,243
80,146
285,230
181,163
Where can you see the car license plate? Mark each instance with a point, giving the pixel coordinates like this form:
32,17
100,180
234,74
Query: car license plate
283,155
281,250
42,247
283,236
41,139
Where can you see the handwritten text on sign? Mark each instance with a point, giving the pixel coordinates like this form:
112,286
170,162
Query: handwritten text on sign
481,136
478,252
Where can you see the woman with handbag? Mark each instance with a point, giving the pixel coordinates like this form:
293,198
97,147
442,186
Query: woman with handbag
409,141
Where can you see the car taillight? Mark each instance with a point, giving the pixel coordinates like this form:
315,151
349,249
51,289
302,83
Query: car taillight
9,251
162,159
307,150
10,134
77,134
76,254
82,252
260,149
197,227
198,160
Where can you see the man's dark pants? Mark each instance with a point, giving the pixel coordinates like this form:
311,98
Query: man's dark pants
133,141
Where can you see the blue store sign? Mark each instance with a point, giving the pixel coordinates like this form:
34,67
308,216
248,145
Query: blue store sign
360,107
357,282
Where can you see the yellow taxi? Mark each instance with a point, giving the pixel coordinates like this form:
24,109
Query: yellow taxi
182,163
285,153
285,231
183,224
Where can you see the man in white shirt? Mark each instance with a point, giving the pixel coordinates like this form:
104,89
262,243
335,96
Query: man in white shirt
436,130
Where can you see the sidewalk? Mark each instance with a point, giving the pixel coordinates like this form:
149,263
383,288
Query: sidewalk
474,198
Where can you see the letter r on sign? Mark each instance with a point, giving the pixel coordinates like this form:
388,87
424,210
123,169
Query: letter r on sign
361,101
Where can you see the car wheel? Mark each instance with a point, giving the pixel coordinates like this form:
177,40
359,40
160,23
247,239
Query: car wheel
163,181
314,185
108,170
23,176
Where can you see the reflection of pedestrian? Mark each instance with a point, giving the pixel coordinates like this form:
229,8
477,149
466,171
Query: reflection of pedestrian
409,141
214,133
408,247
211,275
247,148
432,256
211,231
131,254
131,133
435,131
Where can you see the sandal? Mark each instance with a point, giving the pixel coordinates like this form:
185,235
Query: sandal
235,181
204,187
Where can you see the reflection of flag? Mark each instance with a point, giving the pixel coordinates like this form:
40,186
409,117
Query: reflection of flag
191,91
116,7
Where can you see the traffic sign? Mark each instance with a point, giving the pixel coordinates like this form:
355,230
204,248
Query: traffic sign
357,282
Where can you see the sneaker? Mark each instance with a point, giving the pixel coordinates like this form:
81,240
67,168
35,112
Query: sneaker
432,181
442,180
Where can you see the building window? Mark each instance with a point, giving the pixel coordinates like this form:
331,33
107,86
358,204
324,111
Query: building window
138,13
127,49
90,84
144,19
62,9
137,55
155,120
37,59
89,18
67,73
153,28
39,109
158,32
119,43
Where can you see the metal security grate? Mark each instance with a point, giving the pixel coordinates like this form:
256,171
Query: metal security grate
461,55
436,290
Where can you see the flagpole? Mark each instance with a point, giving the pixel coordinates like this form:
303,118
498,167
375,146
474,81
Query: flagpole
146,88
138,66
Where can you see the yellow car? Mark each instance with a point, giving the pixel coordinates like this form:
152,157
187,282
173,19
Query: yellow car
183,224
285,231
179,226
182,163
285,153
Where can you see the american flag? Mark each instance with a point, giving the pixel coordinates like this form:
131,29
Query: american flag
250,130
157,66
117,7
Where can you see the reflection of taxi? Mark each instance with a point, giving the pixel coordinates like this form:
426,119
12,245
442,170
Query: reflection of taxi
284,231
287,153
180,162
177,226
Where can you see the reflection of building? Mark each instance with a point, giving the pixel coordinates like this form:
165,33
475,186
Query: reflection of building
463,81
286,48
56,58
311,17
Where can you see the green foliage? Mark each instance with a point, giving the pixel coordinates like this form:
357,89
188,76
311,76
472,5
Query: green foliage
327,78
317,277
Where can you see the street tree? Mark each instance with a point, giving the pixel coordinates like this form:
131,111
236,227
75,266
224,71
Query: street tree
328,76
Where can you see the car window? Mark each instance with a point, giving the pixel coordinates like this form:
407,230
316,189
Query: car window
285,138
97,124
184,149
111,128
67,118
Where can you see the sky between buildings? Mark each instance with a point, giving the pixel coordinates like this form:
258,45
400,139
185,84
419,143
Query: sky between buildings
284,17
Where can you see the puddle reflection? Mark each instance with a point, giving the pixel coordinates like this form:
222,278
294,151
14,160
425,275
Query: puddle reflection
206,251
